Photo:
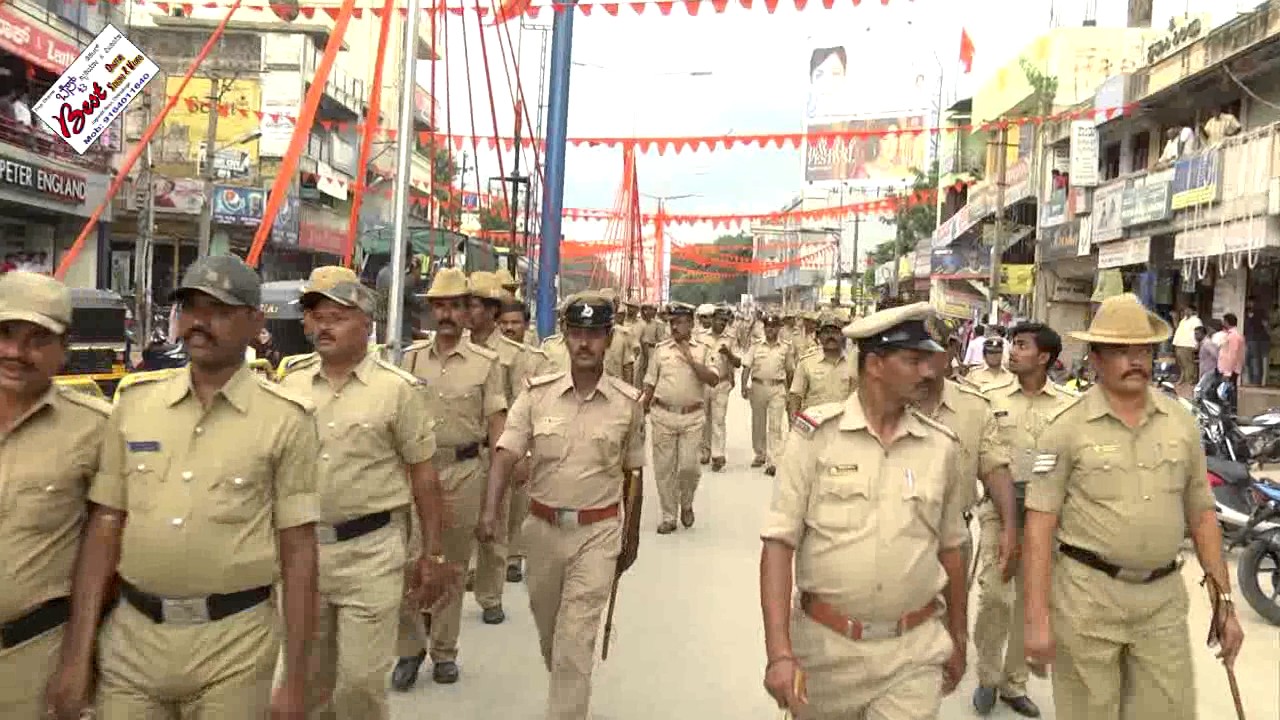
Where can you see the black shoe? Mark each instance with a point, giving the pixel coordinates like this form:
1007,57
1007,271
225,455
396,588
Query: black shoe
471,580
1022,705
771,471
984,700
666,527
493,615
704,460
758,462
445,672
717,464
686,517
515,572
405,673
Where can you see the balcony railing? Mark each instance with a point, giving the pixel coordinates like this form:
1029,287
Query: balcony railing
37,141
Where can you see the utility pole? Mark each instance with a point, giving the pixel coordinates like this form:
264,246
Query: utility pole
855,277
142,252
997,244
516,179
553,192
210,152
404,176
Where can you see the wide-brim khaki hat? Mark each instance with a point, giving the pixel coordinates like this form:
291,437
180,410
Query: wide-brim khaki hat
448,283
339,284
1123,320
485,285
35,298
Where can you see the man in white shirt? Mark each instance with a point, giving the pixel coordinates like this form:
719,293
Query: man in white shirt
1184,345
973,351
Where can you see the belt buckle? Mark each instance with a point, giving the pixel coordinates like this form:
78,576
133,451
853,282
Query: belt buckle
326,534
879,630
184,611
1133,576
566,518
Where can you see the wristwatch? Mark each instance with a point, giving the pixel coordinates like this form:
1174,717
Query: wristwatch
436,559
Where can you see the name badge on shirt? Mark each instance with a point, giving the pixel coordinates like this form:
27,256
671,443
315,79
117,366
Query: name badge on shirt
144,446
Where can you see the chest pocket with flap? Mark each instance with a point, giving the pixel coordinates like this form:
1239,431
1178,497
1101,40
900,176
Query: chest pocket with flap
841,497
240,490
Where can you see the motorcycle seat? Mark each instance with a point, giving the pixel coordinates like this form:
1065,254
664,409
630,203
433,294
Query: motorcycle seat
1233,473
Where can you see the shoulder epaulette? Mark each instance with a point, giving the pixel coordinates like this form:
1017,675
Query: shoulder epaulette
418,345
399,372
811,352
503,339
988,387
812,418
668,341
1075,400
85,400
971,389
481,350
542,379
557,338
143,378
535,350
297,362
280,392
940,427
624,387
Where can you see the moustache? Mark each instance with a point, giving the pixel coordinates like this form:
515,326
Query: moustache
193,333
1137,372
324,336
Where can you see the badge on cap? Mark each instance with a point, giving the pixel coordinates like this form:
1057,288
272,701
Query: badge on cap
586,311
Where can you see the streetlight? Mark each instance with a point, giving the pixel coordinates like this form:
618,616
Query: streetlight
206,212
664,248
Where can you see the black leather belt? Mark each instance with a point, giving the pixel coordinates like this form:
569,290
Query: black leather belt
45,617
1138,577
352,529
193,611
469,451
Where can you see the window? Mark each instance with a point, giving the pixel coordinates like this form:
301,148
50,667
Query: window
1111,161
1141,151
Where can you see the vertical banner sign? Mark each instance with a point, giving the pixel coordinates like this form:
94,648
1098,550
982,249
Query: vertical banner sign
1084,154
96,89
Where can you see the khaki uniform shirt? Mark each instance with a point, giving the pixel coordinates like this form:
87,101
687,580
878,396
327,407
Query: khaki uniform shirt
47,461
721,363
673,381
579,448
207,489
973,421
771,361
819,380
510,357
531,337
805,343
619,353
1022,418
464,389
985,376
654,332
867,519
1124,493
557,352
370,429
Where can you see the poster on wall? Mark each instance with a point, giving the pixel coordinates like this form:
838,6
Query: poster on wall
1084,153
1228,293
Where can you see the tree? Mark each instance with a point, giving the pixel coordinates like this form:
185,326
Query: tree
1044,87
495,218
444,171
914,220
727,290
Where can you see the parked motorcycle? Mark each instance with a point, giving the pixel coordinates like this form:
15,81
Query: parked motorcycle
1258,568
159,356
1261,434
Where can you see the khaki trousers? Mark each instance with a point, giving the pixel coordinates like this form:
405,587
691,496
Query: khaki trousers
491,557
1187,363
893,679
675,458
24,673
1123,649
361,583
768,419
212,671
713,428
570,574
999,616
464,487
516,514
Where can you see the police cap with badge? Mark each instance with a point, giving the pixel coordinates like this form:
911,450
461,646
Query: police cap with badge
589,310
993,346
679,309
899,328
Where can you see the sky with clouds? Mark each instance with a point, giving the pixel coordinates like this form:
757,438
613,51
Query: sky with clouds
744,72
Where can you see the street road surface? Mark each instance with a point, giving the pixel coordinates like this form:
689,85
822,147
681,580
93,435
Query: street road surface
688,641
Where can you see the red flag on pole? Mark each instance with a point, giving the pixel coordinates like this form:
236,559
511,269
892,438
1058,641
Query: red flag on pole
966,50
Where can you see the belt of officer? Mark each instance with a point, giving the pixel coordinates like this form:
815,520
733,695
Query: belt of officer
1090,558
679,409
45,617
569,517
193,611
352,529
763,381
470,451
830,617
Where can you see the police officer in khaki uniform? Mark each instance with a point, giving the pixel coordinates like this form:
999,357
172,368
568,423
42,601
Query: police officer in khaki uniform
554,345
1117,481
680,369
807,333
727,358
50,437
702,316
826,374
994,372
519,363
585,430
652,331
869,511
507,282
1022,409
205,496
766,375
514,322
376,443
619,360
465,394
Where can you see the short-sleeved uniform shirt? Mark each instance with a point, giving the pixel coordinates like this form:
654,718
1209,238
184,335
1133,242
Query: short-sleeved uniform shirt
721,363
508,355
47,460
620,352
820,380
464,388
557,352
370,429
206,489
1123,493
673,380
771,361
982,447
1022,418
984,376
867,520
578,448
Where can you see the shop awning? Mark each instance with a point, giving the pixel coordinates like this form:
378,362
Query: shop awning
424,241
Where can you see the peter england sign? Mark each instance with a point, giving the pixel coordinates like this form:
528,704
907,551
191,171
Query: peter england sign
46,182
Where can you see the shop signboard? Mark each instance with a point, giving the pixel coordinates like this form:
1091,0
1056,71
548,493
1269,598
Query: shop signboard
1069,289
48,183
1107,222
238,205
1054,210
1016,279
322,231
1084,153
968,262
1146,199
1195,180
950,303
21,36
285,229
184,196
1059,242
1132,251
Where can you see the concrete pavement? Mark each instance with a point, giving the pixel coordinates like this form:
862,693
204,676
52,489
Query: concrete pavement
688,641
